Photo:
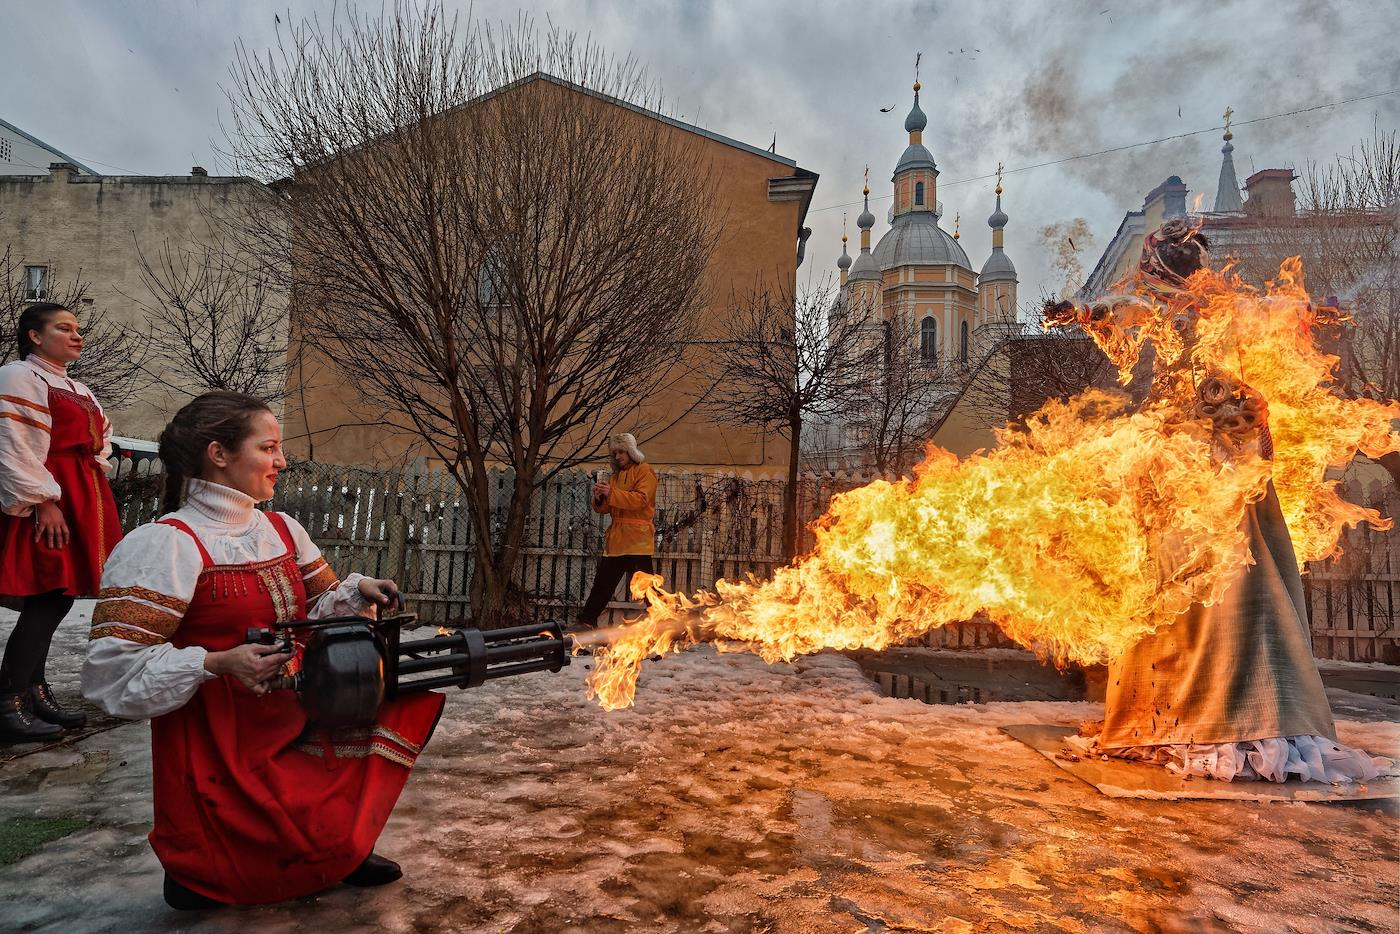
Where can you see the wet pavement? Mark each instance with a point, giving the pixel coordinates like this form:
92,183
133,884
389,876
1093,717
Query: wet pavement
737,796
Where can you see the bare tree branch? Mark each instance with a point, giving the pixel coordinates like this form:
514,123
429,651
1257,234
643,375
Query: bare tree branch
113,359
789,358
214,322
506,268
894,409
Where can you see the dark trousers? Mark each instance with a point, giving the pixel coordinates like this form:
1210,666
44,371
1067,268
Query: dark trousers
27,652
611,570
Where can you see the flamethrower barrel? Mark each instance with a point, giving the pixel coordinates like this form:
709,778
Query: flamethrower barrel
454,680
475,656
413,666
492,636
514,653
351,665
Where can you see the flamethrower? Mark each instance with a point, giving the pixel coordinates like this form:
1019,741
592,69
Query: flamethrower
351,664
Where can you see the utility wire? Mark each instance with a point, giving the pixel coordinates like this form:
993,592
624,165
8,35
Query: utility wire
1150,142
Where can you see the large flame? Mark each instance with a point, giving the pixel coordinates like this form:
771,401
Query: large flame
1086,529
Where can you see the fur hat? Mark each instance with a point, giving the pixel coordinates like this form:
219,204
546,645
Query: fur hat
625,442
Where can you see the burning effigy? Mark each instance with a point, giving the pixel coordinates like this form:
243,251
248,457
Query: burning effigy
1097,523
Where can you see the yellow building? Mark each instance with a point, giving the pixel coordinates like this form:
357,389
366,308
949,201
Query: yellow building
763,197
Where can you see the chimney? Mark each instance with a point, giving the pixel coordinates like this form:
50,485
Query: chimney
1164,202
1270,194
57,169
200,171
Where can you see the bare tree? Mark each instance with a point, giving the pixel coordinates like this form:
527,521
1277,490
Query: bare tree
500,256
214,321
788,358
895,406
113,354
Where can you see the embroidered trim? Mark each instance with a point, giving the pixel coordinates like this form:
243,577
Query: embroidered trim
129,633
359,752
25,420
322,582
312,567
97,480
123,611
387,733
357,744
143,593
255,566
16,400
279,588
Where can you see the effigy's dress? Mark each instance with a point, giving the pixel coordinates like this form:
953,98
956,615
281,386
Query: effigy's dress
1231,691
251,805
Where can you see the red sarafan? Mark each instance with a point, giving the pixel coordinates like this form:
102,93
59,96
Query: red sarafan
76,431
293,811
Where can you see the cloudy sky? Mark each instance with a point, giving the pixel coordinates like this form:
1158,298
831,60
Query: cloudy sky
133,86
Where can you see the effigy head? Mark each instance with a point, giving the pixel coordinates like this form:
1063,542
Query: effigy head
1174,251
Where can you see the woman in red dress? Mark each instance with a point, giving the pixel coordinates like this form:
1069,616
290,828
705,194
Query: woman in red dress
58,521
251,806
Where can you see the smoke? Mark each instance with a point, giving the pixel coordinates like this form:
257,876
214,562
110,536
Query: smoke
1066,243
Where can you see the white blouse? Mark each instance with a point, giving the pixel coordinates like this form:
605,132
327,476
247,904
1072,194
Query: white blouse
132,670
25,426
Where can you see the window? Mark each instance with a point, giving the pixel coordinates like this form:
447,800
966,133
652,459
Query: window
36,283
918,192
962,352
928,340
488,288
5,151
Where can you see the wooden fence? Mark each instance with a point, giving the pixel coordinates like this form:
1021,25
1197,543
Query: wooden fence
414,528
1354,598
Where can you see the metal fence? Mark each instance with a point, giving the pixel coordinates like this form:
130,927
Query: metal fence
414,527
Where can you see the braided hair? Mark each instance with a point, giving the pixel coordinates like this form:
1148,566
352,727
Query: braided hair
224,417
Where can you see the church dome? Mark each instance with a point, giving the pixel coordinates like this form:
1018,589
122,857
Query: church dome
865,267
997,267
917,240
916,156
916,121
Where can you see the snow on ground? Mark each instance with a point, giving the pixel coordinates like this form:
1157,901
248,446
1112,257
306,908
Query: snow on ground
736,796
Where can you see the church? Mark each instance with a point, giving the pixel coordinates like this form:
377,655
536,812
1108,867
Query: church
919,271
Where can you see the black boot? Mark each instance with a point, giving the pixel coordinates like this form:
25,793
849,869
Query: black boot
375,870
46,708
17,724
183,899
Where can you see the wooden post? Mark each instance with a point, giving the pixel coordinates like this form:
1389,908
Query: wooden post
396,559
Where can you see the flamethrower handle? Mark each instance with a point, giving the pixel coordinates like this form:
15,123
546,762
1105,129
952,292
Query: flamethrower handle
397,603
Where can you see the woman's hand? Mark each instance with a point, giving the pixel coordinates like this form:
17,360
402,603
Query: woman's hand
252,664
379,592
49,525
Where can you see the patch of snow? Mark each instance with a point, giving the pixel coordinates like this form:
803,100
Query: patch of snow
739,796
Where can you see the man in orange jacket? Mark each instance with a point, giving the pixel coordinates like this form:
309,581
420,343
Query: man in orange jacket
629,497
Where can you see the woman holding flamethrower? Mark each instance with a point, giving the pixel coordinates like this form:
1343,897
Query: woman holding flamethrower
251,807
